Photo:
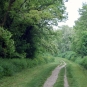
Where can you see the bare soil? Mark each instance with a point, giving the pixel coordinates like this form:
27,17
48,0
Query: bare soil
65,80
52,79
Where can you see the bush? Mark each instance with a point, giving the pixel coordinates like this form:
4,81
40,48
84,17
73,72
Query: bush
62,55
19,63
1,72
9,67
7,47
29,63
71,55
48,58
84,62
79,60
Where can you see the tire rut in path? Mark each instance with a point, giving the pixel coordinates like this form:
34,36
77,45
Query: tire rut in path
52,79
65,79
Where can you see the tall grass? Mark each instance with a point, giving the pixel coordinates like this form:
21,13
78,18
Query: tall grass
77,76
39,79
70,55
9,67
80,60
71,80
31,77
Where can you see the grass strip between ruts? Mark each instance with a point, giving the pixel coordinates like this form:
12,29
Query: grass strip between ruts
60,79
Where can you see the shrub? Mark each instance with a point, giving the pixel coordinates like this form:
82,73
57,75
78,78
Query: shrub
7,47
1,71
70,55
29,63
48,58
9,67
19,63
79,60
84,62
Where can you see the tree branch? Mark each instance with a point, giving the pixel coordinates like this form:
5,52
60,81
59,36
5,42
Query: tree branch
6,14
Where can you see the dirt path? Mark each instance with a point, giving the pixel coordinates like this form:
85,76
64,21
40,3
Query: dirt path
65,79
52,79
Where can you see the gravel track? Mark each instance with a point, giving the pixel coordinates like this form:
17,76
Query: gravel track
52,79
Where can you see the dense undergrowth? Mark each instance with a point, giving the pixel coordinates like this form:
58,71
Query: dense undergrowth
9,67
70,55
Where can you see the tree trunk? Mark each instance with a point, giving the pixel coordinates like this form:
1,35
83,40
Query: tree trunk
6,14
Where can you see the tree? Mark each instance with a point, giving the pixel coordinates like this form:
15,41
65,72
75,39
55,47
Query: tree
79,39
25,17
66,38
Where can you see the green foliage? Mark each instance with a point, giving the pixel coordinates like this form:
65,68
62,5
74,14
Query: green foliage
7,47
26,21
1,72
79,43
78,59
20,64
66,38
71,55
84,62
29,77
9,67
29,24
80,46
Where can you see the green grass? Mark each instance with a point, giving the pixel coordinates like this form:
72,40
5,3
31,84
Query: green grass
34,77
39,79
9,67
60,80
77,75
71,80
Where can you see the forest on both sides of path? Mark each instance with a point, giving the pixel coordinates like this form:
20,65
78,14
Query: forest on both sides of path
27,37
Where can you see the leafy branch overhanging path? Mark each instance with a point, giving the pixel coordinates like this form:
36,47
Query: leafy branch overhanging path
52,79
